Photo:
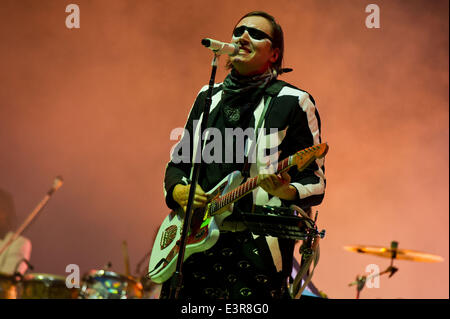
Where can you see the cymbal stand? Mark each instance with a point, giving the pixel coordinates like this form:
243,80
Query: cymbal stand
391,270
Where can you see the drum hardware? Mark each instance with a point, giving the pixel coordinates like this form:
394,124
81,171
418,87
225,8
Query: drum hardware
105,284
361,280
15,285
403,254
8,286
23,260
57,183
46,286
125,257
393,253
107,266
96,284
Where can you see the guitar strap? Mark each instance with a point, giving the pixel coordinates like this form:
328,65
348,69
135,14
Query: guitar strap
246,169
271,90
286,246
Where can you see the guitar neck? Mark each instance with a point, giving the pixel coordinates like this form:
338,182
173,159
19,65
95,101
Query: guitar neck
244,189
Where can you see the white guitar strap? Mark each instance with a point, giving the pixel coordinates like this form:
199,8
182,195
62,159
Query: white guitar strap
250,149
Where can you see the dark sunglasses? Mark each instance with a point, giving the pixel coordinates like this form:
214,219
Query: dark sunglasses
254,33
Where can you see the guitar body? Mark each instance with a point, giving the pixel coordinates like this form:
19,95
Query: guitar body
205,222
203,233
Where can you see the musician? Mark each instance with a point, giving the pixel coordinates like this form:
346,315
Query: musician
241,265
12,259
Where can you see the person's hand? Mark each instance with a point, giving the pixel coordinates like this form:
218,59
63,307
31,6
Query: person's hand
181,194
278,185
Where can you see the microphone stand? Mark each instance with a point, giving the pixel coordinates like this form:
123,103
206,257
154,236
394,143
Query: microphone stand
177,277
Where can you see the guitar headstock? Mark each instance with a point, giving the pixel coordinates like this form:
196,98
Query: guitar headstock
304,157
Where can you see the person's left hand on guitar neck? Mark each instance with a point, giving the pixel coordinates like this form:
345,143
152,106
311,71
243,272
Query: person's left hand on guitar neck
278,185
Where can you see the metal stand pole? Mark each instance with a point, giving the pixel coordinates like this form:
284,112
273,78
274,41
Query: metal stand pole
177,277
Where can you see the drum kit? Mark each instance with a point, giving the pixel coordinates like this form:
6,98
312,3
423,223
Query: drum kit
96,284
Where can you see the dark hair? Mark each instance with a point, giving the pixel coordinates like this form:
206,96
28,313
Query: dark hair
277,36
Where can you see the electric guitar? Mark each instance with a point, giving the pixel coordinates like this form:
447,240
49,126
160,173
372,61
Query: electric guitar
206,221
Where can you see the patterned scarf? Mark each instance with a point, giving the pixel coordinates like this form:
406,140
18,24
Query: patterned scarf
241,94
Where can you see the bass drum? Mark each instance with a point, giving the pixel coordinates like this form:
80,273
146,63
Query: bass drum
102,284
9,288
46,286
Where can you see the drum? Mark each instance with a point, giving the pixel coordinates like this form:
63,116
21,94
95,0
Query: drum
46,286
8,287
102,284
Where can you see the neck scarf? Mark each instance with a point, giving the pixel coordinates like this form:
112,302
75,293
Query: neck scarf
241,94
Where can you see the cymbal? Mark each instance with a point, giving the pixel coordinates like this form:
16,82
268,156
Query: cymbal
404,254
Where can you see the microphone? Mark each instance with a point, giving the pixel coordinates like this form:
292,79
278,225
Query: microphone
220,47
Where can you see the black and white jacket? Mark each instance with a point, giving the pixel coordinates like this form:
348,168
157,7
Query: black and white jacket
292,112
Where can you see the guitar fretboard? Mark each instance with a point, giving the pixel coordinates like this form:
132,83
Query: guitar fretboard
244,189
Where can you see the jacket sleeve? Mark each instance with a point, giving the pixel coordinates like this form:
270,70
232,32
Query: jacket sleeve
179,167
303,132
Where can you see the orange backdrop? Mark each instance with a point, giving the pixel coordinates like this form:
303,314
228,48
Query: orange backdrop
97,104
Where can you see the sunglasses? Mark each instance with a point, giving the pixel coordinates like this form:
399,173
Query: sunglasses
254,33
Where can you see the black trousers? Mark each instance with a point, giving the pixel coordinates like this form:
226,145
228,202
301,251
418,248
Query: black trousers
236,267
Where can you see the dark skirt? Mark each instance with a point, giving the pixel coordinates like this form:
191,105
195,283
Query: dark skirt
236,267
